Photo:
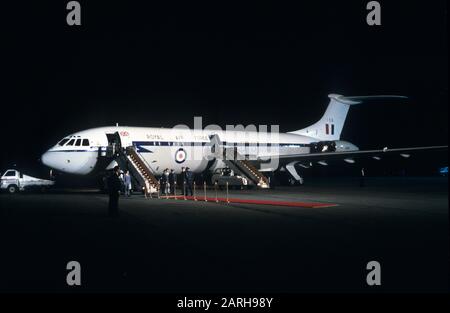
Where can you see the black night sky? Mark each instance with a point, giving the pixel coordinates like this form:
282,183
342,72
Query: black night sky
263,63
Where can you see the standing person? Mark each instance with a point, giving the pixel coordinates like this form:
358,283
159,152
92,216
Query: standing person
160,187
122,182
162,183
165,182
147,191
189,181
167,187
183,180
172,181
127,181
114,186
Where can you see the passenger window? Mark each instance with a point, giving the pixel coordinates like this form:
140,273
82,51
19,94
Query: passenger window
70,143
10,173
85,142
62,142
78,142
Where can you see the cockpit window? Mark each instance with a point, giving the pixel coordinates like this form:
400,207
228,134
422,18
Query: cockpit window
78,143
10,173
62,142
70,143
85,142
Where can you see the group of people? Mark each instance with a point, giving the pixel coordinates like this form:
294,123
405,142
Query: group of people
118,181
125,179
169,181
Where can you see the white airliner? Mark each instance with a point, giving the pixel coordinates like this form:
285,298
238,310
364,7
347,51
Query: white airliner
82,152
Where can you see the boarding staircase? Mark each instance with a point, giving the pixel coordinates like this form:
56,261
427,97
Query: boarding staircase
139,169
239,164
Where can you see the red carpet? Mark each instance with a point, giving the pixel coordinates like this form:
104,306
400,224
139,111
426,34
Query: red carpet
254,201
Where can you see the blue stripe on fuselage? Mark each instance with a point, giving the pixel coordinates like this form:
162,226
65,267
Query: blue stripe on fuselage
139,144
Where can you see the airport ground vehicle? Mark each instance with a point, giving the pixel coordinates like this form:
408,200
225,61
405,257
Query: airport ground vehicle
14,181
222,176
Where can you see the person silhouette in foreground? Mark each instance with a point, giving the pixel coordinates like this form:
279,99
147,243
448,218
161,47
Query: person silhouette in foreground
114,186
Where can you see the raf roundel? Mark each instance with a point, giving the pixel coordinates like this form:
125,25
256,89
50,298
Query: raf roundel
180,156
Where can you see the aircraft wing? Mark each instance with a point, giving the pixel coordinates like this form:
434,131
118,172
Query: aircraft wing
356,154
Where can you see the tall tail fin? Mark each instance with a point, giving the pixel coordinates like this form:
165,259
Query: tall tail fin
330,126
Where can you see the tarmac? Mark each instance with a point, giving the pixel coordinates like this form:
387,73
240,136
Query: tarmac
185,246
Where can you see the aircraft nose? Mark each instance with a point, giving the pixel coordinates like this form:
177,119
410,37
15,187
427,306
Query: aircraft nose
47,159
